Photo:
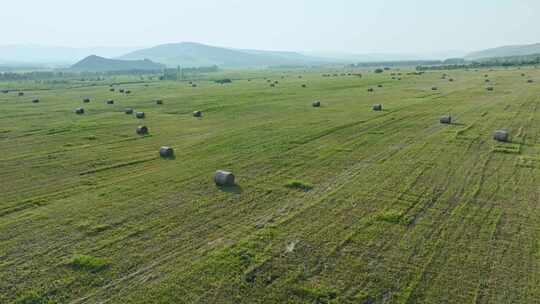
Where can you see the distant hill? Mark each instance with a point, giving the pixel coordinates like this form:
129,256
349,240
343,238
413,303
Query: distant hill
95,63
506,51
190,54
39,54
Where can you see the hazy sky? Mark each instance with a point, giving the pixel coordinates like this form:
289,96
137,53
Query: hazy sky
353,26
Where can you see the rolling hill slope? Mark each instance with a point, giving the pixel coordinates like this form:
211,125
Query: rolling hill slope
506,51
190,54
95,63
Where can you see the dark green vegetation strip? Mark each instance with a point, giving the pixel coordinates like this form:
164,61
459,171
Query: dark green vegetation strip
336,204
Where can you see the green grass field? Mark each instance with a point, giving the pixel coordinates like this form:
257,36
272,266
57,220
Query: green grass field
337,204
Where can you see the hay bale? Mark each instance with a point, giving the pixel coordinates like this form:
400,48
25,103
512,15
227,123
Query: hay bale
166,152
110,101
316,104
79,111
21,94
224,178
35,100
142,130
86,100
197,114
489,88
446,119
501,135
128,111
140,115
159,102
377,107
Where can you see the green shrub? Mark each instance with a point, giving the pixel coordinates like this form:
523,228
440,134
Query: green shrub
299,185
88,263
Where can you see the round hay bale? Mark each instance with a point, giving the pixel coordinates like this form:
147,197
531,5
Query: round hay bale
21,94
489,88
197,114
377,107
142,130
86,100
501,135
128,111
79,111
224,178
316,104
140,115
166,152
446,119
110,101
159,102
35,100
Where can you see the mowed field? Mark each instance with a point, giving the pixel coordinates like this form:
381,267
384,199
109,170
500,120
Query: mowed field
386,207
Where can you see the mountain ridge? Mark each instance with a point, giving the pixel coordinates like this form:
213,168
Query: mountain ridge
94,63
192,54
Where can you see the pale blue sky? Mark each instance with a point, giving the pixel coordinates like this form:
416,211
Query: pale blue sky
354,26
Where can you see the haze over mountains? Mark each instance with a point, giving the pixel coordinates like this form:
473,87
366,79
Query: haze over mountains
190,54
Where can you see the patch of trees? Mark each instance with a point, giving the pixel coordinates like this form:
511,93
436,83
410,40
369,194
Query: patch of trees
223,81
184,73
510,61
392,64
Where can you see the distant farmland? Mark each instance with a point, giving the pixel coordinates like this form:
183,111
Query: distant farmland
333,204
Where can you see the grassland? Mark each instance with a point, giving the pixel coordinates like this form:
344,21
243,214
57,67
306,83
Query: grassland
337,204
